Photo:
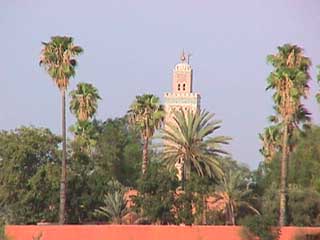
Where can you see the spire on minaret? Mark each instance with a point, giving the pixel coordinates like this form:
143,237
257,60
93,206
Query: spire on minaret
183,56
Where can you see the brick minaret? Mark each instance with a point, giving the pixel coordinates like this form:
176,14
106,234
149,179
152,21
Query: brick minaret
181,96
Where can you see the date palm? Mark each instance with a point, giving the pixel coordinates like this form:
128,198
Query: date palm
84,101
234,192
147,114
58,59
289,80
187,140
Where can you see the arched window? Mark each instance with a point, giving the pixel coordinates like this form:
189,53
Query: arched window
178,86
184,87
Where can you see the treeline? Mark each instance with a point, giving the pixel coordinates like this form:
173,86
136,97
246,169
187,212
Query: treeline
30,175
31,169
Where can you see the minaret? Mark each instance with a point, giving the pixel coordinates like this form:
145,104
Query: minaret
181,96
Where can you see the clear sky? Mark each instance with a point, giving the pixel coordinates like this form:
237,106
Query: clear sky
132,46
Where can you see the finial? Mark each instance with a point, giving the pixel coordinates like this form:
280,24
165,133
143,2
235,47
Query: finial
183,56
188,57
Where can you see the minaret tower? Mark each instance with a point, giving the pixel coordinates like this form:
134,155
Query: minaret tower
182,96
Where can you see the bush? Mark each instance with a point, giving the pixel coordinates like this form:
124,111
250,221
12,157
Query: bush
259,225
156,195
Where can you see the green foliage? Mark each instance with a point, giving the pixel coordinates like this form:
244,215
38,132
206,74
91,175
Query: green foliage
146,114
304,207
86,134
156,195
303,180
29,180
289,63
84,101
304,163
200,187
188,140
289,80
259,225
235,191
270,142
84,188
118,152
2,228
114,203
57,57
305,160
116,155
183,206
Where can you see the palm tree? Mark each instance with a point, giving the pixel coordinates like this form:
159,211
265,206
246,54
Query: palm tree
187,140
115,206
289,80
232,193
271,137
84,101
57,57
270,142
85,135
147,114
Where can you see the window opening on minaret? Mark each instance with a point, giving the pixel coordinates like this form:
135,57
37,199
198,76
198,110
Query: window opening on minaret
179,87
184,87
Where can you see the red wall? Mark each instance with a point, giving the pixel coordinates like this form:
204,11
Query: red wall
138,232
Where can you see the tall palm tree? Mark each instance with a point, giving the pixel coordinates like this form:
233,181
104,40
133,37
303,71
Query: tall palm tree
57,57
232,193
147,114
289,80
84,101
187,140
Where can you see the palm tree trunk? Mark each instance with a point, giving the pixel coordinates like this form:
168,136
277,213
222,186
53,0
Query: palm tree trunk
63,187
233,218
283,176
145,155
228,215
204,210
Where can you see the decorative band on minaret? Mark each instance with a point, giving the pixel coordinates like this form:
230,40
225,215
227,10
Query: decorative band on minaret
182,95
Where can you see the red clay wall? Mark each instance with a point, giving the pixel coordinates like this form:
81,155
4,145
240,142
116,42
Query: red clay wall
138,232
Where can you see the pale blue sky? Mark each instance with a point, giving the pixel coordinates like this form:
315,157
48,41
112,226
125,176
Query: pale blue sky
132,46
